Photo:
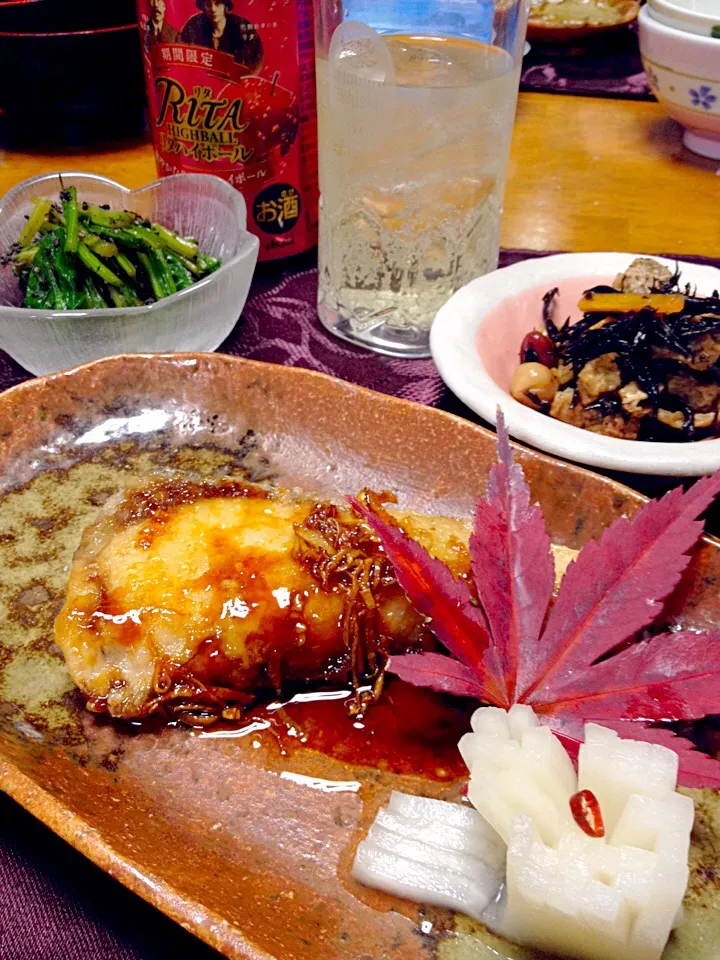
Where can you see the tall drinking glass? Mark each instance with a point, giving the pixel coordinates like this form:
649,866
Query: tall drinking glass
416,100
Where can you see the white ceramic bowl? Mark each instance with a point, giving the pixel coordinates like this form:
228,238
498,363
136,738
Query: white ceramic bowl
683,71
475,342
195,319
693,16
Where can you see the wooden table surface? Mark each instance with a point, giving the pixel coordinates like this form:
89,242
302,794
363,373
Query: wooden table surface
585,174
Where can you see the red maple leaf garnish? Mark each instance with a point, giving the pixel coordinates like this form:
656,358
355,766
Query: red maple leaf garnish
512,566
573,661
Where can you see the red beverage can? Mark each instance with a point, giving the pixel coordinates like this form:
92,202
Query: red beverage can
231,87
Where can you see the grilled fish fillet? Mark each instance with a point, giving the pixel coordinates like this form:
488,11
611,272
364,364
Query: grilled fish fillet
192,597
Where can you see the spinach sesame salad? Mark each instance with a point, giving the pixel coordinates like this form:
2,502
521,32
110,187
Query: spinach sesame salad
74,256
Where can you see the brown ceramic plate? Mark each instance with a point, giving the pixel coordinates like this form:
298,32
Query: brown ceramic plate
246,838
566,20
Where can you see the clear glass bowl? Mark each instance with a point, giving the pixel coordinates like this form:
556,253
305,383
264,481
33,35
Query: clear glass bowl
196,319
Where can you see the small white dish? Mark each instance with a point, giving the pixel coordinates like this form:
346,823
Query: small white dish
475,342
693,16
196,319
683,71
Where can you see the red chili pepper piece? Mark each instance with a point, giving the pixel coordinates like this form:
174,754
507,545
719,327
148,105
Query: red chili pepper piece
538,348
586,813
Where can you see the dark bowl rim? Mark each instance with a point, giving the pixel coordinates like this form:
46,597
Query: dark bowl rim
66,33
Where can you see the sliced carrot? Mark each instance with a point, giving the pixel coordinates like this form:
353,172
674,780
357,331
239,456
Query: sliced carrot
631,302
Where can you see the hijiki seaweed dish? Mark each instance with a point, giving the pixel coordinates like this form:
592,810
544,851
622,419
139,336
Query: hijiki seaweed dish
641,364
193,602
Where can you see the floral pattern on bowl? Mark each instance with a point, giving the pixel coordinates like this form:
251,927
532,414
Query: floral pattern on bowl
703,97
686,91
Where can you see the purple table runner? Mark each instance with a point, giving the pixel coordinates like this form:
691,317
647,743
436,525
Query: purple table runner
607,65
280,325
